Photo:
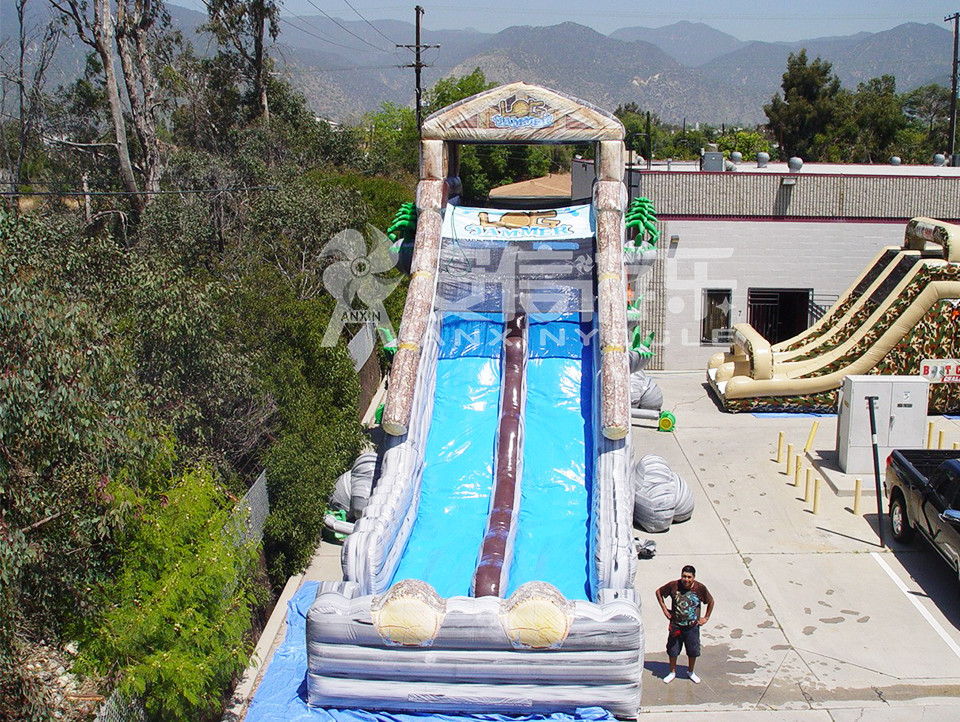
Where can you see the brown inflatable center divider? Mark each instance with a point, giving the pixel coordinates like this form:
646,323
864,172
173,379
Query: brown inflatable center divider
490,569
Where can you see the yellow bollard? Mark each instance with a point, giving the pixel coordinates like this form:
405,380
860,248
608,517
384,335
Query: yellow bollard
929,434
813,432
779,447
789,459
808,486
940,439
797,466
857,488
956,445
816,496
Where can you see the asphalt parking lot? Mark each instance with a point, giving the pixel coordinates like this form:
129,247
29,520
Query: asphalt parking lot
814,619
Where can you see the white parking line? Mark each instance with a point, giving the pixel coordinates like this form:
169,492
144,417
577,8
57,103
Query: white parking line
937,627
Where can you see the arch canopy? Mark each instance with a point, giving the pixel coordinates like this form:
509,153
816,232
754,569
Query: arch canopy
522,113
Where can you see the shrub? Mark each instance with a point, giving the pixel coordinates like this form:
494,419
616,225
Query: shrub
174,621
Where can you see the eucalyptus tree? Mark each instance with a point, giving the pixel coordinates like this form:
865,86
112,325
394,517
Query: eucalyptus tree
244,27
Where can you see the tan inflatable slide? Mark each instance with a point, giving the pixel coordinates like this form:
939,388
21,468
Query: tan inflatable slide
903,309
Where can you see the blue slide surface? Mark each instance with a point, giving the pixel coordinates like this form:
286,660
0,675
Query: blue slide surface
458,468
552,542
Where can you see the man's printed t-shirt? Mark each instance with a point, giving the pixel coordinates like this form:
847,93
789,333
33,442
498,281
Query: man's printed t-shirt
685,610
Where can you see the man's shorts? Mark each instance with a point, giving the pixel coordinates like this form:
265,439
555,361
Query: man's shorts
679,637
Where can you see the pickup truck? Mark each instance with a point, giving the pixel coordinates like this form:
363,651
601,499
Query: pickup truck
924,492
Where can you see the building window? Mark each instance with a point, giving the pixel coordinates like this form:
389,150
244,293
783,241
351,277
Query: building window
715,328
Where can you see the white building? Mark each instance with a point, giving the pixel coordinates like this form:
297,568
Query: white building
766,245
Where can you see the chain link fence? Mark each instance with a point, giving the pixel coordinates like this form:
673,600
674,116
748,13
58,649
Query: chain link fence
117,708
256,502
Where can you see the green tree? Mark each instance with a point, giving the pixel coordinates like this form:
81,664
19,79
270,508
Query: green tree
807,107
645,133
102,348
747,142
393,143
243,28
70,418
286,311
928,109
929,105
209,101
878,118
448,91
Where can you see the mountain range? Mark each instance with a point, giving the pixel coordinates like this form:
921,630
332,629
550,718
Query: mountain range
682,72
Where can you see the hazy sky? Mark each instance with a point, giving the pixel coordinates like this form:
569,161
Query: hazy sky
744,19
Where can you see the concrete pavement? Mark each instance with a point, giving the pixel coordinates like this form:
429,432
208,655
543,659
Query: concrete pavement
810,621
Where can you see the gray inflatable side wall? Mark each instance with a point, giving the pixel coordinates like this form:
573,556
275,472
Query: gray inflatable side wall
361,483
615,561
371,554
340,499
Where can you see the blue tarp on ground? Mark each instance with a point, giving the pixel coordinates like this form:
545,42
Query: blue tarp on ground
282,692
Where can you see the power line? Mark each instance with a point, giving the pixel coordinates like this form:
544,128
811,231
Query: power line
340,45
389,40
358,67
314,35
346,30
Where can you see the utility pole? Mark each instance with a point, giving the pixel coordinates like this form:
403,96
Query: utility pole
953,90
418,65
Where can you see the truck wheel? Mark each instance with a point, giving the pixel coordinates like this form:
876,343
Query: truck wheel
902,529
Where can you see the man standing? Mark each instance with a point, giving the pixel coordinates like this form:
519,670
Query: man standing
686,594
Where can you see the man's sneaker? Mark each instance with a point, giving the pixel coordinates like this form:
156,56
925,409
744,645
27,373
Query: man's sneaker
694,678
669,678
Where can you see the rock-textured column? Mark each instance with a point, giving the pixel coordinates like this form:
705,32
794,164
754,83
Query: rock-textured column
433,160
417,309
609,202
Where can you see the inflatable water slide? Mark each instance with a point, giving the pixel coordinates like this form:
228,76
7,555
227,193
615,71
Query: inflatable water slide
493,567
902,312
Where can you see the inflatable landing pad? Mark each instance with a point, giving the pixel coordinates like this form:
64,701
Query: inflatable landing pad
282,694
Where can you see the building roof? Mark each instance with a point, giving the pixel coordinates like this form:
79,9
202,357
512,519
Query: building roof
552,185
862,169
